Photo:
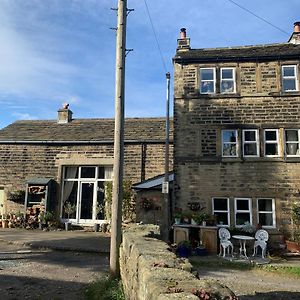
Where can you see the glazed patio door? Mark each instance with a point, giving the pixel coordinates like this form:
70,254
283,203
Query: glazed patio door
85,202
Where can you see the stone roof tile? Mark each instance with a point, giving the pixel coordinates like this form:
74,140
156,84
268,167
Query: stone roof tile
150,129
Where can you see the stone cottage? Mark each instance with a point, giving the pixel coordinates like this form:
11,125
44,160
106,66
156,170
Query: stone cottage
237,131
76,155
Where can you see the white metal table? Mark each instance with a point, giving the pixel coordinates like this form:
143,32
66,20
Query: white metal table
242,240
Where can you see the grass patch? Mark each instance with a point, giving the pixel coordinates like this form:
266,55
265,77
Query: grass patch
290,271
293,271
105,289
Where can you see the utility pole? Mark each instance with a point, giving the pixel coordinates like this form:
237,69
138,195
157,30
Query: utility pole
117,196
165,187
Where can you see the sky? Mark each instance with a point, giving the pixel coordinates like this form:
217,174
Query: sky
63,51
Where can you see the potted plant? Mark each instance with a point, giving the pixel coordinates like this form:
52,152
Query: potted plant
184,248
186,217
69,209
200,218
177,215
99,209
293,245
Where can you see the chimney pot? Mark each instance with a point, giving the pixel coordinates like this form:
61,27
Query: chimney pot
183,33
297,27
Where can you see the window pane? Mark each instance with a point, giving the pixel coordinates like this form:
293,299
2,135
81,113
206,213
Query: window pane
291,135
271,135
242,204
227,74
292,149
207,74
289,84
250,149
101,173
88,172
265,219
250,136
222,218
227,86
242,218
220,204
71,172
229,136
100,201
207,87
288,71
271,149
70,199
229,150
265,204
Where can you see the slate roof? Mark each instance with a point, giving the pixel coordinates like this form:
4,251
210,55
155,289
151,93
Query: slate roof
84,130
244,53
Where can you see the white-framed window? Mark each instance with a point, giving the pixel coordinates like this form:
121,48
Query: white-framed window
227,80
220,208
266,212
229,143
289,78
271,146
242,211
250,143
292,142
207,80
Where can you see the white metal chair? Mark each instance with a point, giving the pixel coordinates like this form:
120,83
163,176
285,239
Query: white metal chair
261,237
224,236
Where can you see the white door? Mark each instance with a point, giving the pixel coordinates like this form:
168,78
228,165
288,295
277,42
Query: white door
1,201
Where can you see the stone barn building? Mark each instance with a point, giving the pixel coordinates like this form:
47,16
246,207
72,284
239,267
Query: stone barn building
76,156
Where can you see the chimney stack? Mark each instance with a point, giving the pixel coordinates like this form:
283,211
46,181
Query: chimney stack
295,37
64,114
183,43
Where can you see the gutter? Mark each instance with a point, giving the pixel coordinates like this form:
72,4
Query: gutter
14,142
182,60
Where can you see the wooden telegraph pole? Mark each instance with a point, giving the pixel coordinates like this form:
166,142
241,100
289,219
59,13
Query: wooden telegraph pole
117,196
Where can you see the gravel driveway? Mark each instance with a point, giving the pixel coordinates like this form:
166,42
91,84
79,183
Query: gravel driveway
34,274
253,284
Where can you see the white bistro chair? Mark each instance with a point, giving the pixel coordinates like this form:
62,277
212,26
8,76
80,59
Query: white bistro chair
261,237
225,243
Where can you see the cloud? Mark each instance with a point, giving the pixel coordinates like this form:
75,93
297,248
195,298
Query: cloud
25,116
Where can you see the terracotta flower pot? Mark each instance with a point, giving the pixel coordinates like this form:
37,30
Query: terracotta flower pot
292,246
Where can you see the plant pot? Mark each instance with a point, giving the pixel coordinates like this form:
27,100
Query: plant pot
67,226
177,221
4,224
201,251
193,222
203,223
292,246
183,251
96,227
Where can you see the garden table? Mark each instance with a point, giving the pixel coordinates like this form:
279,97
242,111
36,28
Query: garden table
242,240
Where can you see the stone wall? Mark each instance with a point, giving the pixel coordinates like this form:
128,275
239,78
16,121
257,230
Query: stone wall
149,271
22,162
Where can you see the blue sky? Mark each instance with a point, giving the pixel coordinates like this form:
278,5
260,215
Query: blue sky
57,51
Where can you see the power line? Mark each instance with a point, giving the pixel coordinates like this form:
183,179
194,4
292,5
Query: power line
156,39
257,16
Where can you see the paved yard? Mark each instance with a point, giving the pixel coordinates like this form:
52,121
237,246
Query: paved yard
254,284
49,274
